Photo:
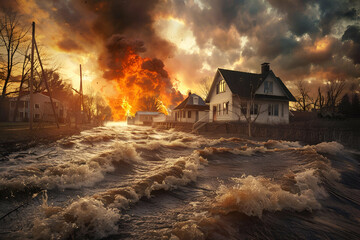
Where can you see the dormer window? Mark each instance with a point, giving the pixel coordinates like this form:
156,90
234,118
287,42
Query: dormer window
220,87
268,87
195,100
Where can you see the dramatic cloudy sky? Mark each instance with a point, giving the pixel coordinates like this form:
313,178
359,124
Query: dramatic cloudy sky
315,40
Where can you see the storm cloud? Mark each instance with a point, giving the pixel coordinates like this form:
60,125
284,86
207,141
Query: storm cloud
302,39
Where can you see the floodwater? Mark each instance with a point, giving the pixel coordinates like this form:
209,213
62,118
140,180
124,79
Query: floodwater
130,182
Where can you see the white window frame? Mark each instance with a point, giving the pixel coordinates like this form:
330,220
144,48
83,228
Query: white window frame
273,109
268,86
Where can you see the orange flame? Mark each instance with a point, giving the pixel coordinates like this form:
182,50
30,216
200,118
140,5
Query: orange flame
127,108
142,85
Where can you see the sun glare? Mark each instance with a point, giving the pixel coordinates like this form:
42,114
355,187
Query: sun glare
322,44
176,31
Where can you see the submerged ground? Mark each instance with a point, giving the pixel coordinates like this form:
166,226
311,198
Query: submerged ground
130,182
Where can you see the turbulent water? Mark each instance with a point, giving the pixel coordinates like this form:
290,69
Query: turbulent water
130,182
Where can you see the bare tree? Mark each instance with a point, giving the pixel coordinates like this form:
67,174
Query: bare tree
204,87
149,103
249,108
333,93
24,73
12,34
304,101
319,103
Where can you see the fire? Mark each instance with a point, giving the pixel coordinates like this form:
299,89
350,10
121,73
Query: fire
127,108
142,84
162,108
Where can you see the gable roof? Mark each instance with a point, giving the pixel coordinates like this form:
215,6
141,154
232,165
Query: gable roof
188,103
240,83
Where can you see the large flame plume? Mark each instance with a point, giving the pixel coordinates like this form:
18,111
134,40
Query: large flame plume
142,84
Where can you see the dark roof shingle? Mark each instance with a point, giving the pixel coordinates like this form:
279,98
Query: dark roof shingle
241,83
188,103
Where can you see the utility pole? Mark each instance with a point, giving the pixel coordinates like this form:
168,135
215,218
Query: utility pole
81,92
47,86
31,104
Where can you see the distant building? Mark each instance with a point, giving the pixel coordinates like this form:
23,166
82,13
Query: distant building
191,110
263,96
144,118
42,109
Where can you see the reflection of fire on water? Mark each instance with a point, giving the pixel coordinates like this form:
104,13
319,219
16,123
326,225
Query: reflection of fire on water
142,84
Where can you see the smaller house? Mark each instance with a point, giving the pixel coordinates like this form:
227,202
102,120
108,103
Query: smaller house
42,109
191,110
144,118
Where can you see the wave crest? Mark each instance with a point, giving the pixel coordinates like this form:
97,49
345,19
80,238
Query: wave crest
84,218
253,195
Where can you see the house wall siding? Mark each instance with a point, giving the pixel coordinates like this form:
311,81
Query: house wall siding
192,119
265,118
277,90
44,111
220,98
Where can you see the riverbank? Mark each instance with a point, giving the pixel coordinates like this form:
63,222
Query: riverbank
17,136
346,132
311,132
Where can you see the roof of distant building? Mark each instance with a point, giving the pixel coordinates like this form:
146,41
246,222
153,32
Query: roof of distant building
147,113
189,103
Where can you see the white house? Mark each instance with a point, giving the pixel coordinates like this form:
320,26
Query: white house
191,110
144,118
263,96
42,109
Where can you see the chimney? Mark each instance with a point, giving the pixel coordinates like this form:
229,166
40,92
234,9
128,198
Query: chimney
265,68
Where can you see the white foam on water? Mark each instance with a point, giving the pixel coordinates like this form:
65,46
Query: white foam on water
85,218
280,144
329,147
254,195
244,150
96,216
75,173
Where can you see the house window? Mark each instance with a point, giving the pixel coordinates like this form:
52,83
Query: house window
276,109
184,114
37,105
219,109
268,87
189,114
282,109
37,116
273,110
226,108
195,100
220,87
254,109
26,104
243,107
12,104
